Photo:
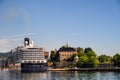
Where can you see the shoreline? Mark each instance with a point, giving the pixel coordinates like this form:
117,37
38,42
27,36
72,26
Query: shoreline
86,69
67,69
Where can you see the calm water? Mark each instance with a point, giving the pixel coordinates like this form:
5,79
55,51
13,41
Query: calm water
59,75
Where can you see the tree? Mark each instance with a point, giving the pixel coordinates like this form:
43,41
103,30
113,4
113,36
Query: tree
89,52
81,54
104,59
80,50
72,57
88,59
116,60
53,56
82,61
93,61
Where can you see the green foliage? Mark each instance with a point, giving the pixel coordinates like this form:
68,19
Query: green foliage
93,61
116,60
89,52
96,63
53,56
81,54
72,57
88,59
104,59
80,50
83,60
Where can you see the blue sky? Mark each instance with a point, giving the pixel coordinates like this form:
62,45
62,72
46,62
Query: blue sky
53,23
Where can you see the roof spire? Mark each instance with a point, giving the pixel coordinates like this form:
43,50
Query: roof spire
67,45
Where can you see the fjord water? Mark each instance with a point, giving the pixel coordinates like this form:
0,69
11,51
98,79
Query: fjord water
59,75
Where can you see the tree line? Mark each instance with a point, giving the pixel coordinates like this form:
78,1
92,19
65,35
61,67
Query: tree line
87,58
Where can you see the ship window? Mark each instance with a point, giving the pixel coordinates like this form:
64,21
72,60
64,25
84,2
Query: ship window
29,61
42,61
38,61
25,61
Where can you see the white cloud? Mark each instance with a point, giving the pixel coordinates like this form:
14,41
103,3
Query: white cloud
11,42
5,45
5,42
8,44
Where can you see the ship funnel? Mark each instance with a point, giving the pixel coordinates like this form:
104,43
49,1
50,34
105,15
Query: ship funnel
26,42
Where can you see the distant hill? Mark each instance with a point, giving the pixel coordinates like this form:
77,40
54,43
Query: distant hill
5,54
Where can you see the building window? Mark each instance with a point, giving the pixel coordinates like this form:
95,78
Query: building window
38,61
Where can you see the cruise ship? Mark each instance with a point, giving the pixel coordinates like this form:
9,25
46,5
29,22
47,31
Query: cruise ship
32,58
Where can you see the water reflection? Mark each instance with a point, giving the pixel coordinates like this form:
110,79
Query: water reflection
59,75
62,75
34,76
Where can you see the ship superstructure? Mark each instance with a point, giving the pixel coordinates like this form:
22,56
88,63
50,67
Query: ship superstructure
33,58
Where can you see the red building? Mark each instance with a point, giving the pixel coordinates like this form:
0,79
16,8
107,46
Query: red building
46,54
